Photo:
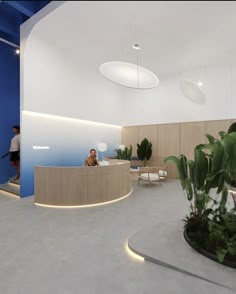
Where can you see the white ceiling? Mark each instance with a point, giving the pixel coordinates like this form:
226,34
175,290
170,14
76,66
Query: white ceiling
174,36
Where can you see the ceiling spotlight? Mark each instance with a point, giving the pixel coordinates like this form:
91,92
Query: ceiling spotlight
18,51
136,46
199,83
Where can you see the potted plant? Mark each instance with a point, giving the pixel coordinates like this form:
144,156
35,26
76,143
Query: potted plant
232,186
144,150
210,226
123,152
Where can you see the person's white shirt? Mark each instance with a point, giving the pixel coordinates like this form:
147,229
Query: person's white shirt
15,143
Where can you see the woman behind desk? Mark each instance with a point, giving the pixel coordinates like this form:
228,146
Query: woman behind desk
91,160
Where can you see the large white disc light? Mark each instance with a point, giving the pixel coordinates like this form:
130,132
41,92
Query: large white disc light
192,91
129,75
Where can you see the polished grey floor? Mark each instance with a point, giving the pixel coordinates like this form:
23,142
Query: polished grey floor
82,250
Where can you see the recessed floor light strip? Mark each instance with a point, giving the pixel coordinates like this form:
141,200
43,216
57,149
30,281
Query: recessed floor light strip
172,267
82,206
9,194
133,253
13,184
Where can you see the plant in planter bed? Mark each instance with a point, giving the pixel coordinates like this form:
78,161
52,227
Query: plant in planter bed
211,224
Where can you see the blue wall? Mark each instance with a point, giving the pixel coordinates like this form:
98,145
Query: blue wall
9,105
68,141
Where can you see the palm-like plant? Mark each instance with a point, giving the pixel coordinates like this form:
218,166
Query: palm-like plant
144,150
215,169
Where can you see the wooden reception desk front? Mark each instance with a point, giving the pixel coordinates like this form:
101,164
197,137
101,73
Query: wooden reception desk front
75,186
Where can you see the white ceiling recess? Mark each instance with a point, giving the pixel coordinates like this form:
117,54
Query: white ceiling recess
174,36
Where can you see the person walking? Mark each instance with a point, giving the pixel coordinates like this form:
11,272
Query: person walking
15,151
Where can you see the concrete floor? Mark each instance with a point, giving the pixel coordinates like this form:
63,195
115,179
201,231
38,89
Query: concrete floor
67,251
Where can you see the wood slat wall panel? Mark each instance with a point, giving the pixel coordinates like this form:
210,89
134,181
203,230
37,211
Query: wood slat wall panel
173,139
168,140
213,127
129,135
191,134
168,144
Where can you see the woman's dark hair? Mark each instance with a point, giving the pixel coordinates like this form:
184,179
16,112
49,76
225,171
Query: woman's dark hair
16,127
94,151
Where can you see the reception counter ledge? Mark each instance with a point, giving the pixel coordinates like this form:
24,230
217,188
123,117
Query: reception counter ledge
79,186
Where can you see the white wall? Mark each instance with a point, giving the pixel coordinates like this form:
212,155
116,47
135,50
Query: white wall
54,83
61,76
70,89
167,104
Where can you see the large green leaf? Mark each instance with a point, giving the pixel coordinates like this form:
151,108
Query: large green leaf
200,169
180,168
144,144
222,134
217,158
229,146
129,152
228,178
232,128
223,200
211,139
149,151
200,201
217,166
189,189
144,150
183,166
190,167
140,152
221,183
125,153
118,153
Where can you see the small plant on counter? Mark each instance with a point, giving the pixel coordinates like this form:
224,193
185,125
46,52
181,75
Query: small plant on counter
123,152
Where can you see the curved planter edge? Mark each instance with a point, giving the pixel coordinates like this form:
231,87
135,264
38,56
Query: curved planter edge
206,253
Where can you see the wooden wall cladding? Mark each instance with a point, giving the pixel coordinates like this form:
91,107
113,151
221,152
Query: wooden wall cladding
173,139
129,135
213,127
168,144
191,134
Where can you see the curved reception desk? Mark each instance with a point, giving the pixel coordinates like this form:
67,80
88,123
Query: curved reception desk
78,186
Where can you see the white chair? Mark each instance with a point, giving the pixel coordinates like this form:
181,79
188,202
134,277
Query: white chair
163,173
149,174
